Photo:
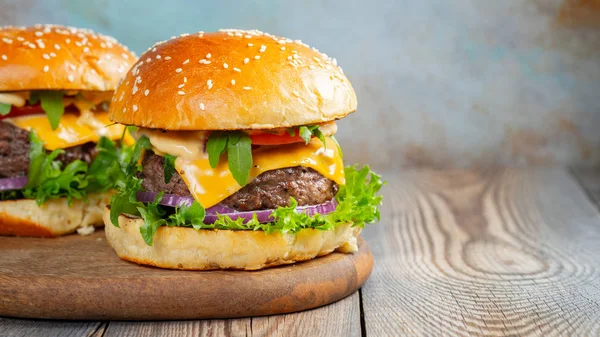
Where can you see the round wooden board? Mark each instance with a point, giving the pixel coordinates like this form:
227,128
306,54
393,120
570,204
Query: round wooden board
77,277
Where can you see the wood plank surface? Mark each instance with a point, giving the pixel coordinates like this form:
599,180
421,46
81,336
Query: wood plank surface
495,253
589,178
338,319
11,327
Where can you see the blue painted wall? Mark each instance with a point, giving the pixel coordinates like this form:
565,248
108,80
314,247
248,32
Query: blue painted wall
439,82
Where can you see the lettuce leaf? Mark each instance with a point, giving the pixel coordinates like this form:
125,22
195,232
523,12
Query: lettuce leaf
358,203
47,179
5,109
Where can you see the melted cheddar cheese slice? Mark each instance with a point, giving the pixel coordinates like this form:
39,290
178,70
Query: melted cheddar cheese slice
210,186
74,129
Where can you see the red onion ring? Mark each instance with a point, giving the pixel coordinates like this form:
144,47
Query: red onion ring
212,213
16,183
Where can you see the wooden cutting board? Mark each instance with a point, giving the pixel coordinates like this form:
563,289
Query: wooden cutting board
77,277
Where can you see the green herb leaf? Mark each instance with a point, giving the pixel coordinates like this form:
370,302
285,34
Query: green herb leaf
185,216
321,137
305,134
239,156
169,167
215,147
52,104
153,216
5,109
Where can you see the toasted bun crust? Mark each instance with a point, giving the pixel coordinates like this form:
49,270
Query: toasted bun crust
229,80
189,249
54,218
57,58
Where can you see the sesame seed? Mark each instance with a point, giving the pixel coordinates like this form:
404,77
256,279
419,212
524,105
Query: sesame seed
70,78
247,88
6,40
257,57
296,93
52,54
167,58
282,48
46,57
311,67
294,52
184,79
124,110
78,44
186,61
125,56
181,92
289,57
237,69
317,59
103,45
204,61
225,65
68,40
262,48
208,55
334,62
46,68
135,108
146,92
295,56
39,34
233,82
178,70
72,66
246,60
209,83
4,57
153,49
202,106
181,85
158,57
281,41
250,44
148,60
56,46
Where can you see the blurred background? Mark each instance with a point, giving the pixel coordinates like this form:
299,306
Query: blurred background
440,83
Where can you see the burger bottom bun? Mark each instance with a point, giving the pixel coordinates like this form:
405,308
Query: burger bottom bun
189,249
54,218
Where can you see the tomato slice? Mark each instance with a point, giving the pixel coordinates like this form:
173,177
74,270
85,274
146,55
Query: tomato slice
25,110
274,139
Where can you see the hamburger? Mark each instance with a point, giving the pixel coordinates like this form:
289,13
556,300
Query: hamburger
235,164
57,147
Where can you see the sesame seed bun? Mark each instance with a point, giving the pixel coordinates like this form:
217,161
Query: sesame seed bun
190,249
60,58
232,79
54,218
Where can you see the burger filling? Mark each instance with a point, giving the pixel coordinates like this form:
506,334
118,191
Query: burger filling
274,181
57,144
270,190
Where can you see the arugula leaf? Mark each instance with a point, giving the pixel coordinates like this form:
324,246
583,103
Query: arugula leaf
5,109
338,145
153,216
169,167
52,104
305,133
215,147
239,156
308,131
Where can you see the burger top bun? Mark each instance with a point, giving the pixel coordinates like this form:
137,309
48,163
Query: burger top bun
232,79
48,57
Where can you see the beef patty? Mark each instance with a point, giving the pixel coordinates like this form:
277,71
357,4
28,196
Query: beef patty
269,190
14,151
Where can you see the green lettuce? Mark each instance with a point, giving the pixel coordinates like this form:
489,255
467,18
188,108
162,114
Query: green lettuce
47,179
358,203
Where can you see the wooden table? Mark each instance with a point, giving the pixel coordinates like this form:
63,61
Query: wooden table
494,252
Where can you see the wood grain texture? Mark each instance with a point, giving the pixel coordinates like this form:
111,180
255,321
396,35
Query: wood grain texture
76,277
10,327
341,318
507,252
